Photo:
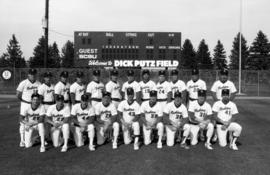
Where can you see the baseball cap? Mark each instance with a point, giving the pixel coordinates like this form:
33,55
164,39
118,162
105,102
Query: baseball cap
153,93
79,74
104,94
59,98
174,72
224,72
130,73
35,95
32,71
162,72
96,72
195,72
201,93
145,72
225,92
130,91
47,74
64,74
84,97
114,72
177,94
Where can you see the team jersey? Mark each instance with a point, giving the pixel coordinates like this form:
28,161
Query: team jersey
95,89
178,86
58,115
193,87
176,114
32,116
78,90
134,85
225,111
28,88
82,115
163,89
129,111
151,113
62,89
146,88
47,92
114,89
105,112
218,86
200,111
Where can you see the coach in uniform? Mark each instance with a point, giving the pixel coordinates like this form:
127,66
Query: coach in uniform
146,85
95,88
77,89
62,88
24,92
133,84
177,85
164,91
113,86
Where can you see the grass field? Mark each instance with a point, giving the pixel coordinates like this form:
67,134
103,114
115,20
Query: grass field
252,158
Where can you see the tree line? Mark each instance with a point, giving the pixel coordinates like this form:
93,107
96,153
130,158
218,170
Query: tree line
254,57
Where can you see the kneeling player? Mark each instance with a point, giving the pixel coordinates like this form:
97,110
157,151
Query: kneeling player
83,118
225,112
152,119
176,119
106,117
200,114
32,117
58,116
129,111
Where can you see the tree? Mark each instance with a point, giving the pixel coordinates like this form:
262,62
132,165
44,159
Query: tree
188,56
234,57
54,57
203,56
13,56
219,58
259,57
67,57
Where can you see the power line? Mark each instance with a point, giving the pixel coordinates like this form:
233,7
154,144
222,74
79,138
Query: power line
62,34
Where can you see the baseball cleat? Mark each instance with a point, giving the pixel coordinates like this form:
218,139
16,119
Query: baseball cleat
136,146
184,145
233,147
159,145
64,149
114,145
45,143
42,149
208,146
214,139
92,147
22,144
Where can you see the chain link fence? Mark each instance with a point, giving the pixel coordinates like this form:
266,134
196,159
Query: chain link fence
253,83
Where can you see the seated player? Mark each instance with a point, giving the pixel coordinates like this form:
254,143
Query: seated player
225,114
151,115
129,111
106,120
176,119
33,119
58,116
200,113
83,116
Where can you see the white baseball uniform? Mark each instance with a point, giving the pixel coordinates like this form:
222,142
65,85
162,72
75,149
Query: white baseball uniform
114,89
162,92
48,95
225,112
193,87
78,90
146,88
178,86
95,89
83,116
218,86
200,112
130,111
62,89
151,116
176,114
134,85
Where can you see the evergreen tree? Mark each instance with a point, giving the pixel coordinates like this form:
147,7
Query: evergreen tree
234,57
219,58
54,57
188,56
3,61
204,56
67,57
259,58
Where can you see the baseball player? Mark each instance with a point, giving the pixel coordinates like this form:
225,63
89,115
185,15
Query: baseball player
200,114
133,84
106,120
225,114
83,116
175,119
62,88
129,111
32,117
177,85
58,116
24,92
151,115
95,88
146,85
194,85
113,87
77,89
164,91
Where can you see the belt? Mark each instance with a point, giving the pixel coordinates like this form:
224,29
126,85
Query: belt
145,99
48,103
193,123
76,101
161,100
116,99
26,101
66,101
192,99
219,123
96,99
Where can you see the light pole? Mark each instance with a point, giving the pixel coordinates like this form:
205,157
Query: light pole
240,50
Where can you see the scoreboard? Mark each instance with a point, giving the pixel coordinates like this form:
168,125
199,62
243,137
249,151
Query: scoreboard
127,49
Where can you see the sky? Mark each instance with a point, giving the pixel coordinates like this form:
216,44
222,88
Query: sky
211,20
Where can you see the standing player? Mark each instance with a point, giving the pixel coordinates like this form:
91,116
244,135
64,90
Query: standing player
177,85
176,119
164,91
146,86
200,113
33,117
151,115
95,88
58,116
129,111
83,116
62,88
77,89
194,85
106,118
133,84
24,92
225,114
113,87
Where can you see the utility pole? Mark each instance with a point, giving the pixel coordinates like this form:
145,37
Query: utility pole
46,32
240,50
